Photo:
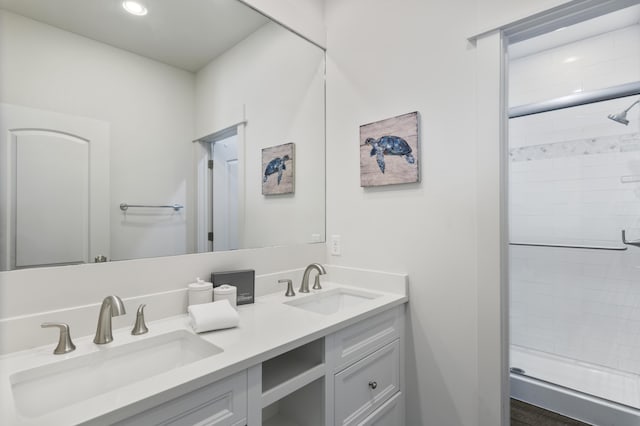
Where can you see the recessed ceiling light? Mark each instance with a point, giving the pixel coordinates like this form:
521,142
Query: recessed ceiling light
134,8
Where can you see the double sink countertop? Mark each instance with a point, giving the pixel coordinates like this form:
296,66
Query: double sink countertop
269,327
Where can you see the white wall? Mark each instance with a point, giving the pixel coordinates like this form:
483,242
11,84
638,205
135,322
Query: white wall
384,59
150,109
275,80
565,188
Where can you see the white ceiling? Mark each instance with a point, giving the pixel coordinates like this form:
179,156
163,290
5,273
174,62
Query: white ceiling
590,28
186,34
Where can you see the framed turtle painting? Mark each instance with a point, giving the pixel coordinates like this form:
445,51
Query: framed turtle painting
389,151
278,169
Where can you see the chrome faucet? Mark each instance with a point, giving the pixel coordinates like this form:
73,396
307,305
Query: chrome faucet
304,286
112,306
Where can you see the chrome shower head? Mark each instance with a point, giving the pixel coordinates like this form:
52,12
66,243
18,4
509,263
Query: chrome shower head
622,117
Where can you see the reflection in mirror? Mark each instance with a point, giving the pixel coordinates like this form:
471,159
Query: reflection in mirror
223,195
99,107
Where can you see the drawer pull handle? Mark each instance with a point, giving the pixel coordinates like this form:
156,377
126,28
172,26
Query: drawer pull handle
373,385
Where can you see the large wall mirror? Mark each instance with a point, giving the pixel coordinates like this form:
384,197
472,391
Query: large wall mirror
127,136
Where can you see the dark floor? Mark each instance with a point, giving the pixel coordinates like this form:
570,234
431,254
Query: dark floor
523,414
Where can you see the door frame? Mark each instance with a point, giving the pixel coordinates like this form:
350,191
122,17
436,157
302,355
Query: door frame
491,183
220,204
204,187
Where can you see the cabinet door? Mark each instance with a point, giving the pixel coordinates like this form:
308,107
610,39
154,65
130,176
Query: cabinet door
223,403
390,414
366,385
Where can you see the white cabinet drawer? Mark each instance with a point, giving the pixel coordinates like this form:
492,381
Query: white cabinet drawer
223,403
366,385
390,414
358,340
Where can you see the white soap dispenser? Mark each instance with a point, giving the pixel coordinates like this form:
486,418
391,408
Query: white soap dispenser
200,292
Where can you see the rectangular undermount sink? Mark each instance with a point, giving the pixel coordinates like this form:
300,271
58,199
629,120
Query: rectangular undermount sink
41,390
332,301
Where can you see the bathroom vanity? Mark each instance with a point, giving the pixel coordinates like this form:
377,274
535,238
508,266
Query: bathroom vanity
330,357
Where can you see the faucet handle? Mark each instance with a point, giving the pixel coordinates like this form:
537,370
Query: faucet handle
290,291
140,327
65,345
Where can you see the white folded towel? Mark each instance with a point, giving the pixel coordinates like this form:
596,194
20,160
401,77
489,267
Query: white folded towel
212,316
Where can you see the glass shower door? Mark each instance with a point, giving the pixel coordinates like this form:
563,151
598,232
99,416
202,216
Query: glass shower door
574,185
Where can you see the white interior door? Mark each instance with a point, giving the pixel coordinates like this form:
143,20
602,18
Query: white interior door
54,190
52,226
225,194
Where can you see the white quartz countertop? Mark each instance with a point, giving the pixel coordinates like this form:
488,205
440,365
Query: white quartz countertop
267,329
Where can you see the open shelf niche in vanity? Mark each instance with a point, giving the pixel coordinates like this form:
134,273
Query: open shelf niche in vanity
304,407
293,386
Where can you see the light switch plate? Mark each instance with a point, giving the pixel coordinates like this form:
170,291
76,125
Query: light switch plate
336,247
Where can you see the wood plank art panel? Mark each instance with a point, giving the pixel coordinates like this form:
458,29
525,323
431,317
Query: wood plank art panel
389,151
278,175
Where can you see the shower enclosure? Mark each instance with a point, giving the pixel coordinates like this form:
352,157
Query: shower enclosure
574,187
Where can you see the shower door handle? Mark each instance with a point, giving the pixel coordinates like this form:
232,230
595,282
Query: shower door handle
627,242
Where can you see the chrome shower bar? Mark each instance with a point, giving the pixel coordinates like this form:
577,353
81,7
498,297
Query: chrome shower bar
124,206
570,246
576,99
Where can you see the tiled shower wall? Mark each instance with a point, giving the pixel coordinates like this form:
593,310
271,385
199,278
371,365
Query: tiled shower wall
601,61
574,178
582,304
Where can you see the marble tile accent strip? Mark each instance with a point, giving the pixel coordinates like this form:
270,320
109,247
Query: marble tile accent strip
601,145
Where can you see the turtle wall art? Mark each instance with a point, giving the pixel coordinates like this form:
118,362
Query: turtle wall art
389,151
278,169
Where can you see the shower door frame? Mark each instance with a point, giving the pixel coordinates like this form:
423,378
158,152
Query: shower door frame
491,183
